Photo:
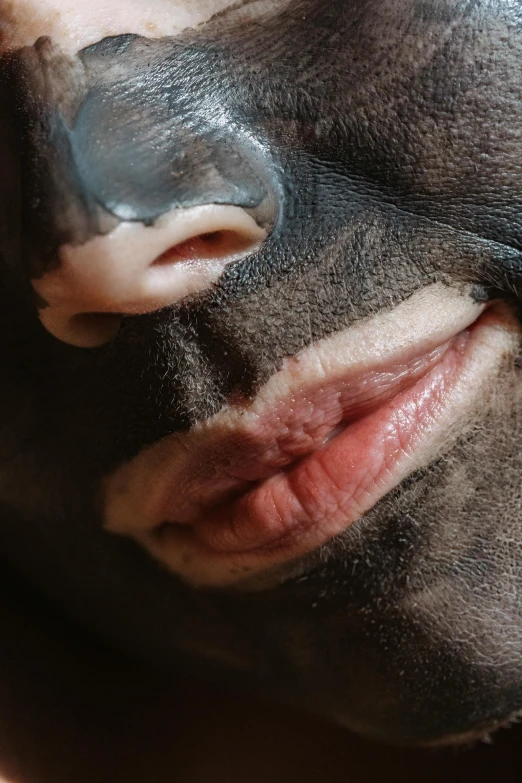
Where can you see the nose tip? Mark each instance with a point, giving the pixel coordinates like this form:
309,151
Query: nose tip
137,269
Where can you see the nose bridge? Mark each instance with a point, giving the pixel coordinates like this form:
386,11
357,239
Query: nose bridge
123,167
113,135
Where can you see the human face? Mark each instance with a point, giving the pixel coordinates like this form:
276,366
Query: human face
261,266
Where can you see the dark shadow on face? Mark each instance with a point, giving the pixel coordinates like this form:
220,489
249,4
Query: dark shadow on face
388,135
77,711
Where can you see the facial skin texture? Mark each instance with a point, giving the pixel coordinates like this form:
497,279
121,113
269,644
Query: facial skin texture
389,135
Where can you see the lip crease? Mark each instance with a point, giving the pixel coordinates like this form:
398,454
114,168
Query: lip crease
338,427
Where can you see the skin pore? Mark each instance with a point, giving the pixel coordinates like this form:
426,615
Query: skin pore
365,139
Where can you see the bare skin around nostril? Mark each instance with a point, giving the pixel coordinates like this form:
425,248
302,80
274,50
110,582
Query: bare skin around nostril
138,269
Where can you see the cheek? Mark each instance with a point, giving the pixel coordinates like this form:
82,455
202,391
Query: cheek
75,25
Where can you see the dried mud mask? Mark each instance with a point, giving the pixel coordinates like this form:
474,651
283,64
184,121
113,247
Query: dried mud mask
365,139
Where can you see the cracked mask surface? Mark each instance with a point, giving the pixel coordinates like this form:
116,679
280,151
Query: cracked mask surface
380,141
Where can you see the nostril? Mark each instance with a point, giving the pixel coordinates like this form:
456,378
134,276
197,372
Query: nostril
138,269
211,245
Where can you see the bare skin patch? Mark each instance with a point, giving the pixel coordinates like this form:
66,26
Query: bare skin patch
74,26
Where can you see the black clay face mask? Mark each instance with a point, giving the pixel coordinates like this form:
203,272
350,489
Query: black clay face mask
375,145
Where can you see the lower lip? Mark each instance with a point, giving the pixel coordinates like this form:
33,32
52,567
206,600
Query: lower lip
299,509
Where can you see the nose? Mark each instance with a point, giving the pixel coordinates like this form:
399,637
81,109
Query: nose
137,269
138,187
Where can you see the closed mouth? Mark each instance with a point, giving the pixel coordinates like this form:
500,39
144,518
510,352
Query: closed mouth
270,480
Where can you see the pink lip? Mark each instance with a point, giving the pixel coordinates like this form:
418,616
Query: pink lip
338,427
291,431
310,467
